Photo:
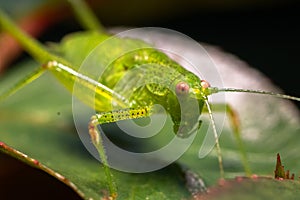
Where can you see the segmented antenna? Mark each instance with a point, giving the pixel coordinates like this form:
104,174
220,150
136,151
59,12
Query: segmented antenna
283,96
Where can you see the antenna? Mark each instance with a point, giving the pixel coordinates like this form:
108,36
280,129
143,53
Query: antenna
283,96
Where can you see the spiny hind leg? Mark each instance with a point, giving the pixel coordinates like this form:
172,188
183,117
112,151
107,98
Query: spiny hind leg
235,126
95,134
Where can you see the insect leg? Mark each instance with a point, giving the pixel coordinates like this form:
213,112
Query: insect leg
28,79
235,126
95,134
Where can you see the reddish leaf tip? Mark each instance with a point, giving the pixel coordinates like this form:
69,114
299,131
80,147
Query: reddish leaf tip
280,173
278,159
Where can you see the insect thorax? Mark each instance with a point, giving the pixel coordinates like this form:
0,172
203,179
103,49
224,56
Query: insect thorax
147,77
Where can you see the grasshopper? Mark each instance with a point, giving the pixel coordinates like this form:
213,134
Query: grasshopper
165,82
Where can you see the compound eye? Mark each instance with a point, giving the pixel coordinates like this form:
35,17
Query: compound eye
182,88
205,84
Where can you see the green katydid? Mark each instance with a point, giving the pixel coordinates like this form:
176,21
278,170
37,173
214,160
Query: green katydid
179,86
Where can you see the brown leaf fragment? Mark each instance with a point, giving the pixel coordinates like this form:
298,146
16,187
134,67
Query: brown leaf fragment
280,173
279,169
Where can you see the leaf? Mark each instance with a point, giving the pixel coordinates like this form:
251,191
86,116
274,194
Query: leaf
257,188
40,126
37,121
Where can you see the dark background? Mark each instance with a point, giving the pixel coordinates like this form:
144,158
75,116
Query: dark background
265,35
267,38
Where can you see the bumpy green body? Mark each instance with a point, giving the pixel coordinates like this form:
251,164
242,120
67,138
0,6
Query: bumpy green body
139,78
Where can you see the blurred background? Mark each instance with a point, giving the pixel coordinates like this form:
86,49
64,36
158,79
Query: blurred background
265,34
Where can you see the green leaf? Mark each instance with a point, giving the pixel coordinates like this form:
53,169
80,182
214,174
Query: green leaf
37,121
257,188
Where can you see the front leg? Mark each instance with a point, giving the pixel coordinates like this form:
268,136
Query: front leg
235,126
95,134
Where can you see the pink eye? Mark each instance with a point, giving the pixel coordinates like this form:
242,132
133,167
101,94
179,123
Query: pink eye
205,84
182,88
